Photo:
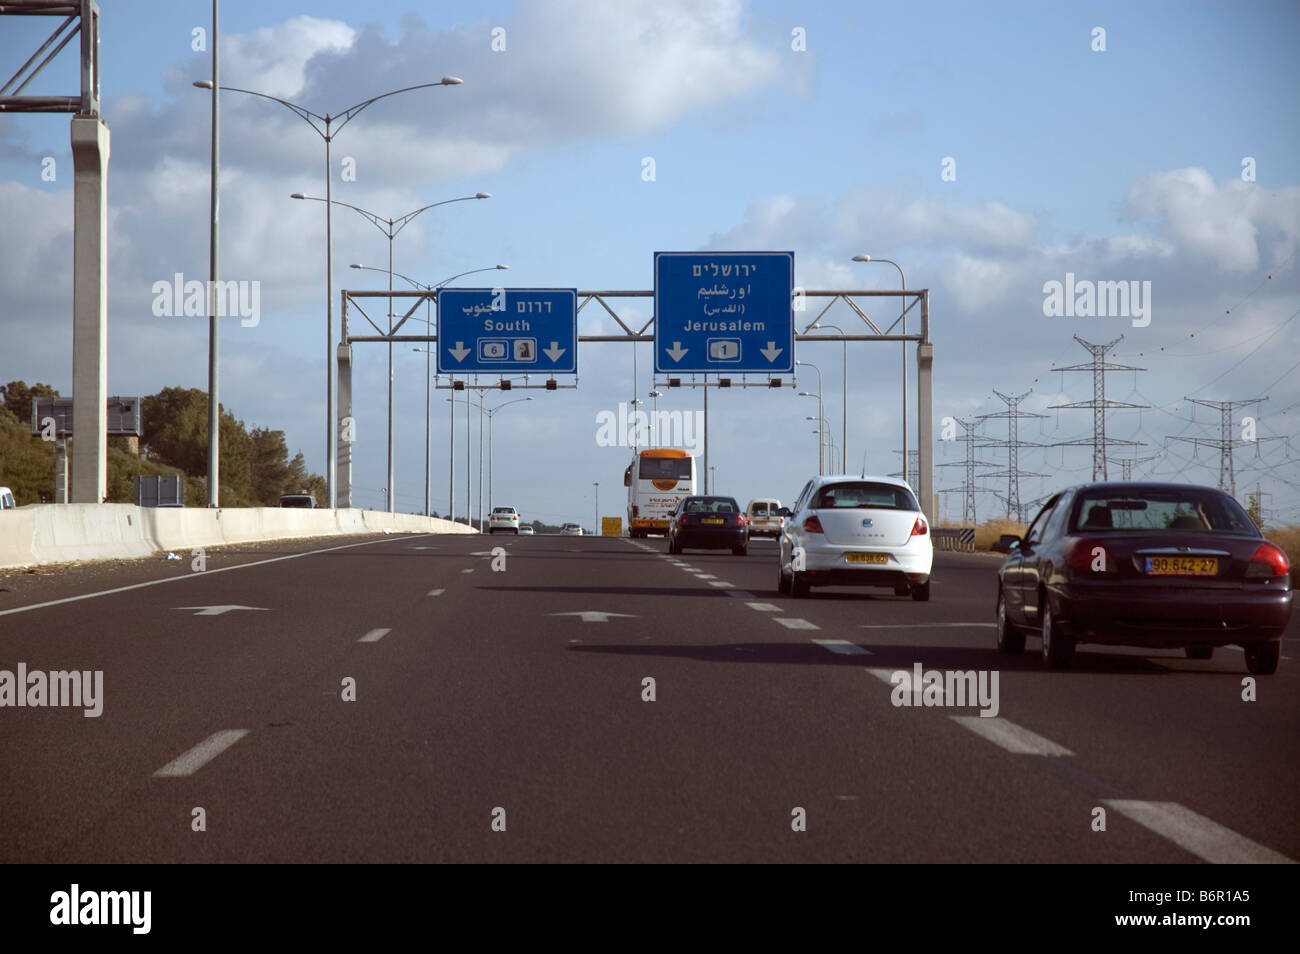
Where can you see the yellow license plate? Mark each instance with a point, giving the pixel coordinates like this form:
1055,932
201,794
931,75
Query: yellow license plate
1183,566
713,520
866,558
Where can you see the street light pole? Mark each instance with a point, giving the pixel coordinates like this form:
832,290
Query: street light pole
327,134
844,398
214,337
903,280
595,527
821,415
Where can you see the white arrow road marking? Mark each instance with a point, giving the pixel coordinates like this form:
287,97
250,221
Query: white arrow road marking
459,351
677,352
218,610
595,616
374,636
201,754
554,351
771,352
842,647
1206,839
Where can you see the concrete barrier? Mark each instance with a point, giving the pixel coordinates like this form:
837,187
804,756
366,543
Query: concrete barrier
953,538
61,533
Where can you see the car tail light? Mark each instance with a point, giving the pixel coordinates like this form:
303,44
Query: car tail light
742,521
919,529
1090,556
681,521
1268,561
813,524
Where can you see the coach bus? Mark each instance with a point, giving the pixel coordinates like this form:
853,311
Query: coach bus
656,479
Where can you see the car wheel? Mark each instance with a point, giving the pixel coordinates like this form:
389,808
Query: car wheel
799,587
1010,640
672,545
1261,659
1199,652
516,533
1058,649
740,551
782,581
921,592
902,589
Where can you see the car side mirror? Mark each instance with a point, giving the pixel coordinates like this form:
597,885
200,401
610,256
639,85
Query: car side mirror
1007,542
783,512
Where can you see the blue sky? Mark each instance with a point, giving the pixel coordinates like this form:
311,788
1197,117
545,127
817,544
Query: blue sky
1117,165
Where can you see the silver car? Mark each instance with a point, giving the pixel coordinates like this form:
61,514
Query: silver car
855,531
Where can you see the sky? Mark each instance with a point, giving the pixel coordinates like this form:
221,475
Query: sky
988,149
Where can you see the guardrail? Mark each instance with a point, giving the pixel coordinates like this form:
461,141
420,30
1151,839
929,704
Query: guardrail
60,533
954,538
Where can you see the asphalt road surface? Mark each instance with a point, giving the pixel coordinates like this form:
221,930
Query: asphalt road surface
503,715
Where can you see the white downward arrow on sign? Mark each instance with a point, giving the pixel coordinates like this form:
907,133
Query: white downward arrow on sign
459,351
554,351
677,352
771,352
218,610
595,616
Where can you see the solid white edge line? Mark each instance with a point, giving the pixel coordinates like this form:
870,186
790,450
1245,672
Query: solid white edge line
374,636
195,576
1201,836
203,753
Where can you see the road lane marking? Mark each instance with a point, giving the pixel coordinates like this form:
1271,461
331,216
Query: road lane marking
741,594
720,583
201,754
467,571
436,592
374,636
842,647
595,616
789,623
219,610
189,576
1201,836
706,576
761,607
1009,736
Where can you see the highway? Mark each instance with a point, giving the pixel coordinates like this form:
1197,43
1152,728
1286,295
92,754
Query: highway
501,714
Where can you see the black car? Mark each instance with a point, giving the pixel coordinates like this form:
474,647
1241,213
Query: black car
1145,564
708,523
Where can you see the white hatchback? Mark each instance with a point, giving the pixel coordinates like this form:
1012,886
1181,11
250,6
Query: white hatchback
856,531
505,519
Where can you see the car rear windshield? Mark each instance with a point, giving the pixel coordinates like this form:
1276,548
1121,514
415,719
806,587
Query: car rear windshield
1181,508
762,509
665,468
711,505
508,511
865,494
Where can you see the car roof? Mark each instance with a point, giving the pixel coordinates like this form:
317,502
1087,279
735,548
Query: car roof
822,479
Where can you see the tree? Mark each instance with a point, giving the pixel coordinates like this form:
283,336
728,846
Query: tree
17,397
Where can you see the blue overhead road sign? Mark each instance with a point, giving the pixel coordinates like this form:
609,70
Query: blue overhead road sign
724,312
508,329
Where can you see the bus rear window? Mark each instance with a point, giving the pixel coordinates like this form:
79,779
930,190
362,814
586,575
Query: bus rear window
665,468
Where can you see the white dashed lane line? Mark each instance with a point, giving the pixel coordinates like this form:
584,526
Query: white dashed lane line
374,636
1009,736
842,647
761,607
719,583
789,623
201,754
436,592
1201,836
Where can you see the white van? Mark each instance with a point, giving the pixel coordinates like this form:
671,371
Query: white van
763,518
7,501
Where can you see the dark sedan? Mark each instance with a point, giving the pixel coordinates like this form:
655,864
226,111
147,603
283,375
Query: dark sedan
1145,564
708,523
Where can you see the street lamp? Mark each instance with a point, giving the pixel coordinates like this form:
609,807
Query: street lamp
428,321
828,439
328,135
595,527
821,413
654,420
844,393
903,280
394,226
